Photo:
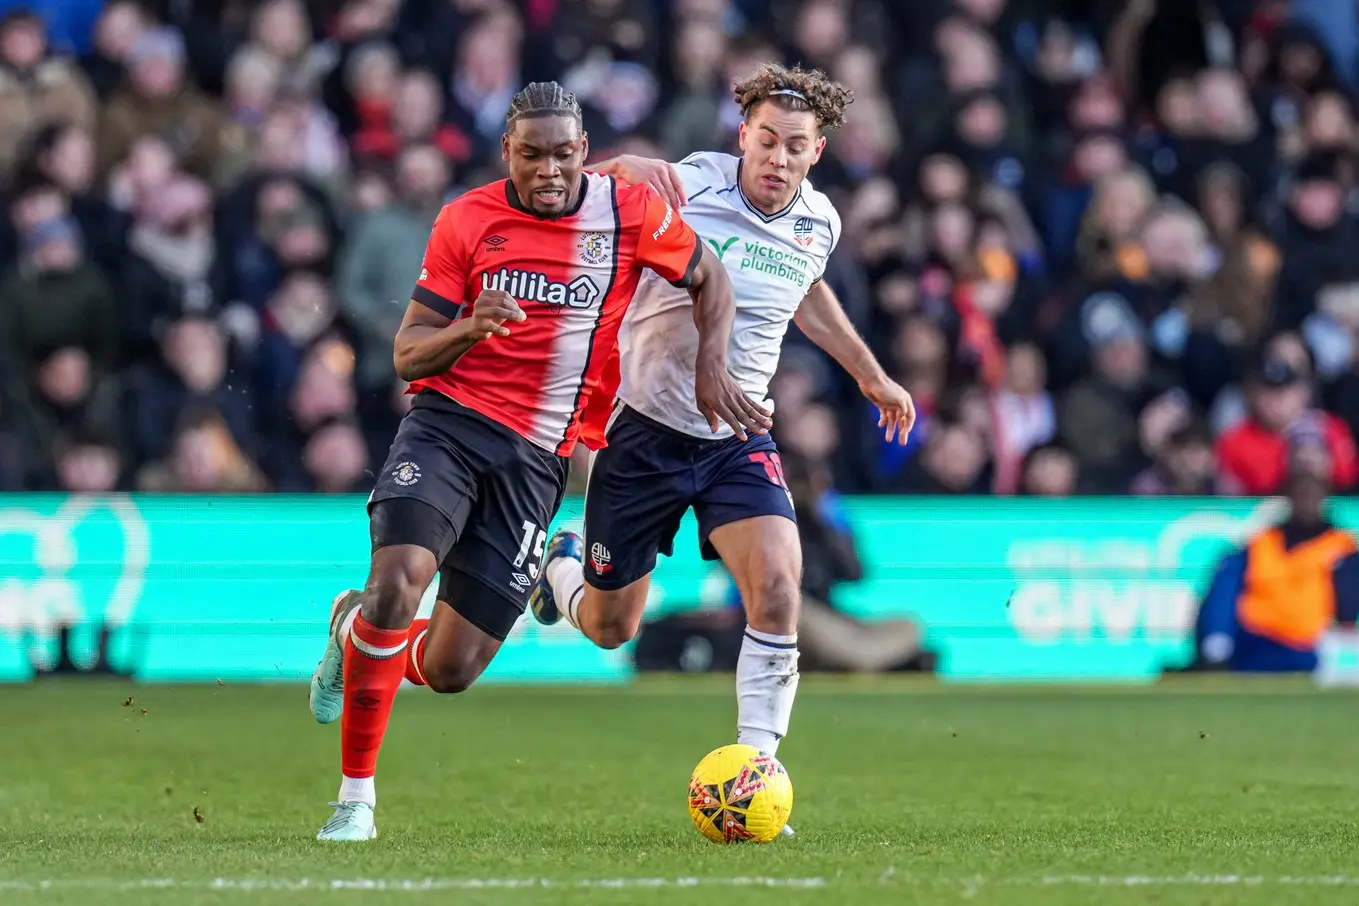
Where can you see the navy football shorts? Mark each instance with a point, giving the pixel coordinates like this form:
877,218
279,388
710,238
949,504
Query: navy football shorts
642,483
475,494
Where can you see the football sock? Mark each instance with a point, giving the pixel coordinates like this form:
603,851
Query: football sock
373,669
415,664
766,684
566,575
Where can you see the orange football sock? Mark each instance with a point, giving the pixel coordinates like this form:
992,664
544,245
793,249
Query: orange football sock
373,667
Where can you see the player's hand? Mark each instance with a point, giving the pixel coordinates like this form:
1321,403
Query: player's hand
661,175
895,407
721,399
490,312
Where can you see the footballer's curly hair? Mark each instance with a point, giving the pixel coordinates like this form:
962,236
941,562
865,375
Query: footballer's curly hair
542,99
795,89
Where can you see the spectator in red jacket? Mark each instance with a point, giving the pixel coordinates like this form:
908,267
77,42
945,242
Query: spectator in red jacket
1254,454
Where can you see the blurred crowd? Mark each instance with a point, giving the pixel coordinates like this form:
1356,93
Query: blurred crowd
1110,246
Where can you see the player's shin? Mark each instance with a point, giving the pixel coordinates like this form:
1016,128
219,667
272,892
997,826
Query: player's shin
375,662
766,685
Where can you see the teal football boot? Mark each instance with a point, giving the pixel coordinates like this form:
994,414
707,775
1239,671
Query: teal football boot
327,683
541,599
352,822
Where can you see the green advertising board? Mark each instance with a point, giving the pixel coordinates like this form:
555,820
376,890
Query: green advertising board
238,588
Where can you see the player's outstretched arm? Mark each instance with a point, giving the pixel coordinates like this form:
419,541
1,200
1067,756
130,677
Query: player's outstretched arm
823,320
659,174
718,395
429,343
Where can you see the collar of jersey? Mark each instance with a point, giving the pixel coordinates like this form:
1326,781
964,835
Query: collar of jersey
513,198
767,218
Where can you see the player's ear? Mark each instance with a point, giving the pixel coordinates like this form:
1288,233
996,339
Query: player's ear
741,137
820,149
585,146
505,147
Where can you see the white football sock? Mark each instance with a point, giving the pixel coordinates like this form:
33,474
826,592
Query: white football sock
566,575
358,789
766,684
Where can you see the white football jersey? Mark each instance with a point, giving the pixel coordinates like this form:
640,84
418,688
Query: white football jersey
772,262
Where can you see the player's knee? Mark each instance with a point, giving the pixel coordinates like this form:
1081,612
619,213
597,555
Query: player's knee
611,619
775,600
616,632
451,678
395,585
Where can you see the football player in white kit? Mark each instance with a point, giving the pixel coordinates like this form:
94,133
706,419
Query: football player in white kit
774,233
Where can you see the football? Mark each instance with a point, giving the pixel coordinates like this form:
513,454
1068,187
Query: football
737,794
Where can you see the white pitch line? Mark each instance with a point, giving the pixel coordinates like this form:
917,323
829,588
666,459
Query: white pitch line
1194,880
889,878
404,885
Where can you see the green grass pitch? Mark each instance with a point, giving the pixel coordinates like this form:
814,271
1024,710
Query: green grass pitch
1197,792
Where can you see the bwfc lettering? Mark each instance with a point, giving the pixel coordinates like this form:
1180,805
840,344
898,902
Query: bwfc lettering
531,286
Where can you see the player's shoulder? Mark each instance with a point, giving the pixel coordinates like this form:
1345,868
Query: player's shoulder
635,200
491,196
704,169
467,211
814,203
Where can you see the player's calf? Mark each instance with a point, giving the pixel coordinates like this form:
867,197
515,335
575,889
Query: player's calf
775,601
455,660
764,556
766,669
375,662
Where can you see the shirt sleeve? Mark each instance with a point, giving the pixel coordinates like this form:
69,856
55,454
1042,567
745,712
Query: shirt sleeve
665,243
443,272
833,224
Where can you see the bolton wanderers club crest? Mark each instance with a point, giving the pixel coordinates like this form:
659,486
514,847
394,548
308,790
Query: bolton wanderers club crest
406,474
594,247
803,231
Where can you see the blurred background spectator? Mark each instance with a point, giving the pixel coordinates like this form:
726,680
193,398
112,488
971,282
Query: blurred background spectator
1271,603
1108,244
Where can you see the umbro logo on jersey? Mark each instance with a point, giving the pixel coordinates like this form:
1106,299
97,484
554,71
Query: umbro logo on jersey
531,286
495,243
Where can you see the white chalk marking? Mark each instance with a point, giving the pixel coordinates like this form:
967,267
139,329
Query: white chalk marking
406,885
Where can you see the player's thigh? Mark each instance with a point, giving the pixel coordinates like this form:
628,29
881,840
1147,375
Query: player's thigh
745,516
503,541
417,510
466,631
639,488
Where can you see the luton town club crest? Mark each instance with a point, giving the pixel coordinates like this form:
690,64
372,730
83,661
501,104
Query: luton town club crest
406,474
594,248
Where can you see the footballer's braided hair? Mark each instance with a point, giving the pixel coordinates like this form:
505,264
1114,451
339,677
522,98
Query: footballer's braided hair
542,99
795,89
